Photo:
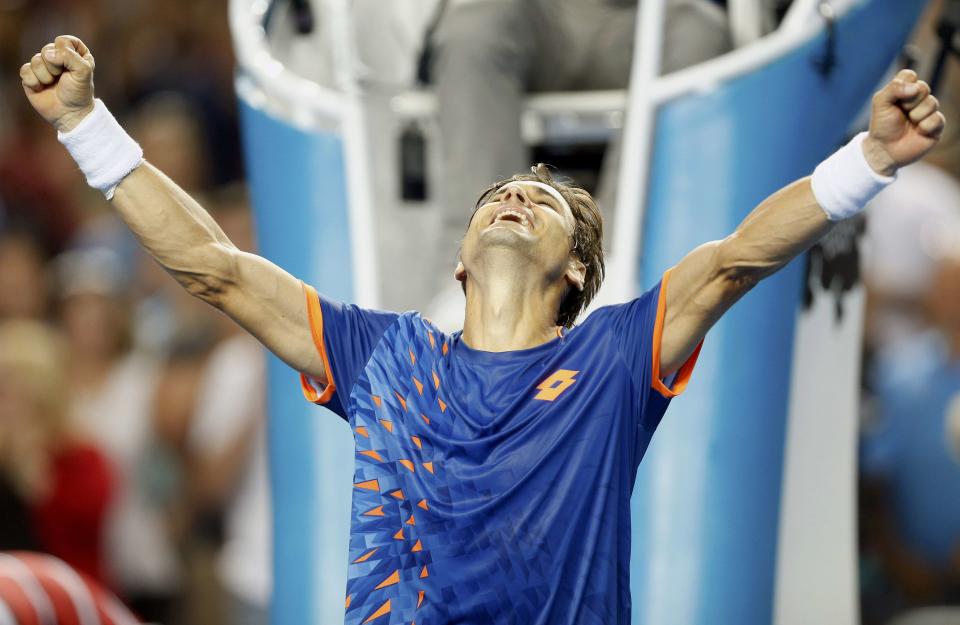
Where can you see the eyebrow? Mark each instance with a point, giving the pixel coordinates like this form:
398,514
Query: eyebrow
543,195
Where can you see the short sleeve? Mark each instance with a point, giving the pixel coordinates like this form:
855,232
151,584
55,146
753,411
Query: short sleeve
638,328
345,335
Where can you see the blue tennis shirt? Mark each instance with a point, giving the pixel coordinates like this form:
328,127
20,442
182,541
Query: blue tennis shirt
492,487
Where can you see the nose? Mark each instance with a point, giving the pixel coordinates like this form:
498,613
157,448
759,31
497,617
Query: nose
515,193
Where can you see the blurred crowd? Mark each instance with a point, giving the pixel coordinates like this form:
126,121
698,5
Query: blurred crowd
909,455
132,416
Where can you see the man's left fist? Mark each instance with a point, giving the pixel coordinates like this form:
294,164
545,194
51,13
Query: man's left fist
905,124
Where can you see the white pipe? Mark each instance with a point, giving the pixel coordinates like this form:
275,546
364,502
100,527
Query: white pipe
747,21
704,76
423,104
648,91
637,147
357,161
301,98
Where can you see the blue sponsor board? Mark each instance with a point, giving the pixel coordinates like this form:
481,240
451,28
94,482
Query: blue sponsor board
298,189
707,498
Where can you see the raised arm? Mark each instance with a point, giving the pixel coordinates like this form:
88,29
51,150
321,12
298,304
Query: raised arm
263,298
905,124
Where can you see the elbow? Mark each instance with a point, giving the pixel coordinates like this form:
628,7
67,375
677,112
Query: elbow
736,272
211,277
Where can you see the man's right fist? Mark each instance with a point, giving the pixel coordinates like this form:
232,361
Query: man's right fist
58,82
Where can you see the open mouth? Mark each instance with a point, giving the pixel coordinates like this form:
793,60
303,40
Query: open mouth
512,214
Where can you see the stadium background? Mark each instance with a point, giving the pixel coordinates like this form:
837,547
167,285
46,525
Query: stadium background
746,507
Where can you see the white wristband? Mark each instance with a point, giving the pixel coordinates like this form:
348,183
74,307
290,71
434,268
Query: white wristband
104,152
844,183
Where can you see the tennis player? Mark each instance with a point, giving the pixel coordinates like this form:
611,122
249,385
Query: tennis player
494,466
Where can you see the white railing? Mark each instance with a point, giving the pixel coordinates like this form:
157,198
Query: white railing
649,91
265,82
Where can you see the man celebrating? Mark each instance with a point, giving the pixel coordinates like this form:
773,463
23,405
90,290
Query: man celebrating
494,466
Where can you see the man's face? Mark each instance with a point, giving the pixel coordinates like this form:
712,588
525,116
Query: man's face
534,221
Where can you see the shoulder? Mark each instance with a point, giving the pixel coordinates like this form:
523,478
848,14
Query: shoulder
416,326
612,314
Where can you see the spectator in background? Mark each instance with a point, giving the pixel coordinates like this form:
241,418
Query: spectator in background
23,277
489,54
227,445
182,111
914,468
168,127
112,393
61,481
38,189
899,262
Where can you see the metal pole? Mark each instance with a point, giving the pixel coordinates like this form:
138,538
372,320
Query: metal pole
638,130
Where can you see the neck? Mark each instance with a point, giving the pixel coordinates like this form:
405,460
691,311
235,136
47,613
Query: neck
507,310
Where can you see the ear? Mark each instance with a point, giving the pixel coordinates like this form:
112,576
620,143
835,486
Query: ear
460,273
576,273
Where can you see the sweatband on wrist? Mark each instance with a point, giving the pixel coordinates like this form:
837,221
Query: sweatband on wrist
102,149
845,182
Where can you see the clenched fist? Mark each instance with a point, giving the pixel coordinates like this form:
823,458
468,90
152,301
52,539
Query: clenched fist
58,82
905,124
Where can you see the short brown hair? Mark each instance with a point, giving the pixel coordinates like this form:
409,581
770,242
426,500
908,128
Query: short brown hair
587,236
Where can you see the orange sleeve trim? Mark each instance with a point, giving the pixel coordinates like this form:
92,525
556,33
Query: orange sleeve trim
686,370
315,314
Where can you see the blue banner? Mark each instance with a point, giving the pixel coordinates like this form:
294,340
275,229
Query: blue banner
298,189
707,498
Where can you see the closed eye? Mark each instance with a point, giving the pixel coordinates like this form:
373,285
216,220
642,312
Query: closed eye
548,201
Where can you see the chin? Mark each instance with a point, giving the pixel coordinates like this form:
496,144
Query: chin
506,236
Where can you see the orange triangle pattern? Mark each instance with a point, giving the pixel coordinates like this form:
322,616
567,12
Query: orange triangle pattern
436,379
384,609
407,464
378,511
413,360
423,504
403,402
349,597
423,572
398,494
419,385
425,418
428,466
416,441
399,534
420,598
366,556
372,454
376,400
411,520
444,349
443,405
390,581
387,424
418,546
362,431
369,485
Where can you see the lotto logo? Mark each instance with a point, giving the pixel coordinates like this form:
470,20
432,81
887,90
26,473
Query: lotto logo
561,380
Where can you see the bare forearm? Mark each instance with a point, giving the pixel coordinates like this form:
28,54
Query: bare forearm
783,226
713,277
171,226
